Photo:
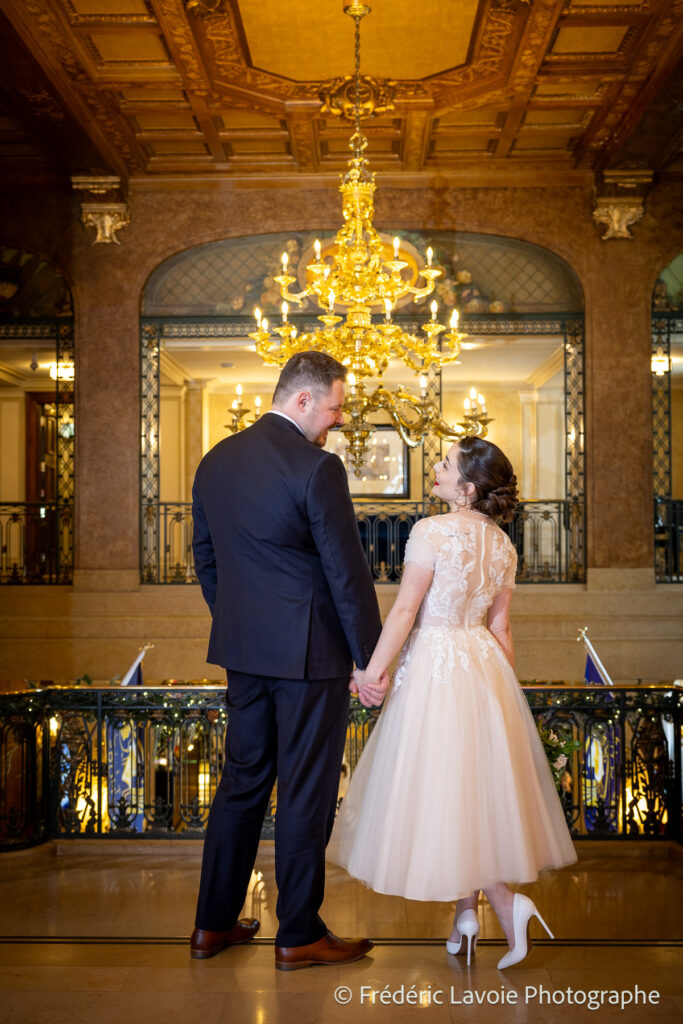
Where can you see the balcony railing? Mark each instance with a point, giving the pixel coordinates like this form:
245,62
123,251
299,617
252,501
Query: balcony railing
144,762
547,535
36,542
668,540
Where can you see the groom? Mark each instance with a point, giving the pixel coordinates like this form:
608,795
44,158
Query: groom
278,555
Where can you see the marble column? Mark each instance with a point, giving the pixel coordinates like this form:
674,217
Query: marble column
195,429
528,481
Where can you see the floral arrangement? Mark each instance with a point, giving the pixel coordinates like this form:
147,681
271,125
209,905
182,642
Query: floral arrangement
558,746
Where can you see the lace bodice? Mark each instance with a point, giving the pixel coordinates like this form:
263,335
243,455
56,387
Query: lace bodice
472,559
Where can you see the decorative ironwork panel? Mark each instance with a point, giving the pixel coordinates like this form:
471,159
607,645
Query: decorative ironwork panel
22,798
146,762
539,532
668,513
541,540
668,540
662,327
149,451
36,542
64,402
431,449
575,447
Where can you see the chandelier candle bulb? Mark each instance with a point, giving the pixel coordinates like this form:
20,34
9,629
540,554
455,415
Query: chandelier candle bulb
316,246
423,385
331,301
455,316
387,308
434,307
396,247
467,405
285,261
285,311
257,315
257,403
430,254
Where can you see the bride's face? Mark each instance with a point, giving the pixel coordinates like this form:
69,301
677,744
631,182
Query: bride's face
447,484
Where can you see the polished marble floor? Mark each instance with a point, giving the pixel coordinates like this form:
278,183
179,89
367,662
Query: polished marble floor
97,932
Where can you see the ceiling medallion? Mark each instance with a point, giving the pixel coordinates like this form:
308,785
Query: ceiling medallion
375,96
365,277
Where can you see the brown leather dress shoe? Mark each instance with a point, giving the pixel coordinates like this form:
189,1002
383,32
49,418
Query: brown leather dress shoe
205,944
328,950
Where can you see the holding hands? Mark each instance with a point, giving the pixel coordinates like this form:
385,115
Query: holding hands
371,688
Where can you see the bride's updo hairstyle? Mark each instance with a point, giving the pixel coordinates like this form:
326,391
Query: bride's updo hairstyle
483,464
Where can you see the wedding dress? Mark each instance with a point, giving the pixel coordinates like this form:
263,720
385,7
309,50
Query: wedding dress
453,791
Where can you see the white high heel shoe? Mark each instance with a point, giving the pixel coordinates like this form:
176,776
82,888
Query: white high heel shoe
523,909
468,926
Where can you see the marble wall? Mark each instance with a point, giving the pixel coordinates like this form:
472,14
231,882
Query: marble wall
97,625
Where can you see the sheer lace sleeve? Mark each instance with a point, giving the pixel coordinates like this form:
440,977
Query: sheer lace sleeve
419,548
503,562
510,568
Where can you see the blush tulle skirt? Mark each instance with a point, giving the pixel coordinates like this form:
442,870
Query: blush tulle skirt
453,791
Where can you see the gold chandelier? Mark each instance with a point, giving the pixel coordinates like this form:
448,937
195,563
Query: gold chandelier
362,275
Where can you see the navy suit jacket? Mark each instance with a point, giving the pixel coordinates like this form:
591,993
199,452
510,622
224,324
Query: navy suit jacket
278,555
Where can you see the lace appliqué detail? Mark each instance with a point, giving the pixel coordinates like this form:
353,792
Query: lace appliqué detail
446,647
474,561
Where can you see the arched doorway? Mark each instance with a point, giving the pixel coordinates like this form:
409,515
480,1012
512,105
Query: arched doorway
36,421
521,306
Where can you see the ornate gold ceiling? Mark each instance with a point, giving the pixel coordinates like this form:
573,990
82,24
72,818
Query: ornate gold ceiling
484,91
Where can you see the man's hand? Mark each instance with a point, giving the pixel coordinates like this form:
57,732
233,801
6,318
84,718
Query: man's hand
372,691
353,681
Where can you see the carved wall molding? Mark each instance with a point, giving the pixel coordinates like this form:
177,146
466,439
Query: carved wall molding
102,206
106,219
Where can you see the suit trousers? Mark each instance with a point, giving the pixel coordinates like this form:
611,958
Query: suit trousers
295,731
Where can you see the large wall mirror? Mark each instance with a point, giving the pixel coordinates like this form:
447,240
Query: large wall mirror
521,307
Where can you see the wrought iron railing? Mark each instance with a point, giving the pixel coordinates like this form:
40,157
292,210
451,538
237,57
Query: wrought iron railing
36,542
544,533
668,540
144,762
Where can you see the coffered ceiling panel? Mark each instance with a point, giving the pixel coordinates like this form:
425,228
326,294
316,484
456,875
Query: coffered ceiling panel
234,89
424,39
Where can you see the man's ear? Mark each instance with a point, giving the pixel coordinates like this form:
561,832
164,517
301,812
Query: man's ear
303,400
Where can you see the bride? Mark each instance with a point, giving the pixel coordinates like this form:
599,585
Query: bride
453,792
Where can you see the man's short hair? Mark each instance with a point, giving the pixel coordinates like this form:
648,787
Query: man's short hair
314,370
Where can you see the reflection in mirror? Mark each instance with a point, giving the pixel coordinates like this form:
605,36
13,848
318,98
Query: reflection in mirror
521,377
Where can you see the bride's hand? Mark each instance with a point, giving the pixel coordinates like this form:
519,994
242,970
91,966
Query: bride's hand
372,691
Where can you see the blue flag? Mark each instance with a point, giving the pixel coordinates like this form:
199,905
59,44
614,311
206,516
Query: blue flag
592,673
